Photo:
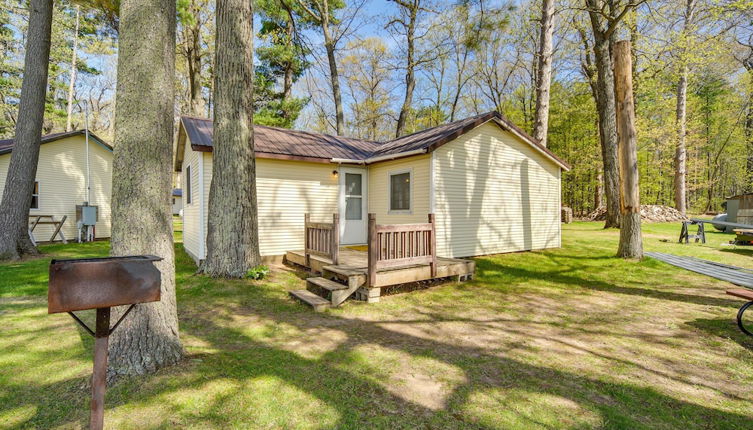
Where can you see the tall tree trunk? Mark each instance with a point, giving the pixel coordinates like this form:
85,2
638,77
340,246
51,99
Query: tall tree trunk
232,235
287,82
631,242
195,85
607,129
599,191
141,219
749,129
544,72
334,75
410,78
72,83
680,112
680,149
22,170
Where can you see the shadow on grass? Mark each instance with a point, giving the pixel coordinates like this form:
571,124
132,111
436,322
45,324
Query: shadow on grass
725,328
492,269
361,400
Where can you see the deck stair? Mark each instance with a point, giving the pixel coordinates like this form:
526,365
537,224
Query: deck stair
317,302
331,290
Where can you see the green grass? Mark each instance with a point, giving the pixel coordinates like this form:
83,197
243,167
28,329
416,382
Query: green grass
564,338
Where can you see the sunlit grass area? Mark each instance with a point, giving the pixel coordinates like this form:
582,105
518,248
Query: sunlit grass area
563,338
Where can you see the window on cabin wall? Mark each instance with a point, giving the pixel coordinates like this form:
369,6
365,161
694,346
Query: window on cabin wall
188,185
400,191
35,196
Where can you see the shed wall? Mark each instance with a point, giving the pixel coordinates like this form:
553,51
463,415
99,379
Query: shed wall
192,216
61,173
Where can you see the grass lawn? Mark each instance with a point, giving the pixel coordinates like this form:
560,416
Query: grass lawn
565,338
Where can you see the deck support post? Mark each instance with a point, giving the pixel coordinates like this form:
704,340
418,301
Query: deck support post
372,250
306,256
335,238
433,245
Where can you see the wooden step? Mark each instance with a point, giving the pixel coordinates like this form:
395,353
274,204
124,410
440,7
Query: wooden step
354,276
327,284
319,304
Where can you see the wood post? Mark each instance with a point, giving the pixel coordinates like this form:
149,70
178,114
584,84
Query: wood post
433,246
335,238
99,376
372,250
631,242
306,245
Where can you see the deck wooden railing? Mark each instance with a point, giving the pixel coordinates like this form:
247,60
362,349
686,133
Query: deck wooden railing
321,238
398,245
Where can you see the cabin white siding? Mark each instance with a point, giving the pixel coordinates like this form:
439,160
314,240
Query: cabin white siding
192,215
493,193
286,190
379,189
61,173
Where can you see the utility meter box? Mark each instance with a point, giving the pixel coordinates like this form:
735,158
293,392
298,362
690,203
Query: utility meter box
87,215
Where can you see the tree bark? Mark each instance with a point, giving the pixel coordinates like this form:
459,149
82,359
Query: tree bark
748,64
22,170
680,149
410,78
631,242
232,235
72,83
606,110
334,75
287,82
141,218
598,191
544,72
195,86
680,113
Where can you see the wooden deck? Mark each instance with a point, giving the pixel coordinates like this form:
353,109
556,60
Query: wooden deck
352,271
355,263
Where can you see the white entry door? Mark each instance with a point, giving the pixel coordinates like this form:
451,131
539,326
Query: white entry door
353,206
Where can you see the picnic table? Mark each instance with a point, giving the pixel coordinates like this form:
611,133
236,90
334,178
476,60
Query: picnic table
744,236
37,219
739,276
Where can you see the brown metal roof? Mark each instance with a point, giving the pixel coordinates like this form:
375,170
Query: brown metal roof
272,142
432,138
6,145
284,142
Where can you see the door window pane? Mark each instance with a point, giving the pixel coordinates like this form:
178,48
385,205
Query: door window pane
353,184
353,208
400,192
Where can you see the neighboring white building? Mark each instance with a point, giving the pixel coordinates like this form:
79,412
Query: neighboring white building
61,180
492,187
177,201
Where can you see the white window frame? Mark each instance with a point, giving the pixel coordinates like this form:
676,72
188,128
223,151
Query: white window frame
36,184
390,174
189,199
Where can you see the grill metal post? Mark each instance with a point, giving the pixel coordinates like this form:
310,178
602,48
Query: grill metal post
99,376
101,283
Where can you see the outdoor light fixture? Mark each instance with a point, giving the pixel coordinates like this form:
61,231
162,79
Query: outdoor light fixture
335,172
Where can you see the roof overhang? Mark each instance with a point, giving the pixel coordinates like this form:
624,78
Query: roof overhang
183,138
493,117
60,136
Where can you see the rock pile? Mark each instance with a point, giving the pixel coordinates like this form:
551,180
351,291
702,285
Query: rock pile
649,213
